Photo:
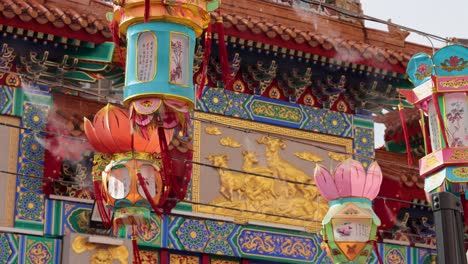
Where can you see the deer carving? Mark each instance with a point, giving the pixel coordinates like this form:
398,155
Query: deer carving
281,168
231,182
256,187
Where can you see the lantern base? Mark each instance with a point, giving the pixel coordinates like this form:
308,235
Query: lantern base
131,216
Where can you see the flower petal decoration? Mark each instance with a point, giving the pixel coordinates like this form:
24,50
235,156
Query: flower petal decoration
325,183
349,180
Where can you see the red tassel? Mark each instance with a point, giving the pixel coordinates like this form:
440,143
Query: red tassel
114,29
142,183
136,250
379,258
223,55
206,59
147,9
441,121
401,111
99,202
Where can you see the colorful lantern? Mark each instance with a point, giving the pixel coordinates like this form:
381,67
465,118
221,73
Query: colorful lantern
350,225
160,52
136,169
441,94
128,176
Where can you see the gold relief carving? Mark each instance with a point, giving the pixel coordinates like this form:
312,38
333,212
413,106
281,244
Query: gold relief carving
338,157
459,155
182,259
102,254
244,191
229,142
308,156
212,130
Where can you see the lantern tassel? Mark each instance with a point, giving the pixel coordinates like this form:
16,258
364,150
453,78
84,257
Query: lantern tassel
136,250
223,55
376,248
206,59
100,205
147,9
142,183
401,111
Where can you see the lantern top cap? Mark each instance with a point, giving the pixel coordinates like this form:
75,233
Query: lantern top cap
448,61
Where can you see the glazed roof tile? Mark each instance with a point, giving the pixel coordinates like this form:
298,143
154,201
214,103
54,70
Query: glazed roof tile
79,20
68,19
348,49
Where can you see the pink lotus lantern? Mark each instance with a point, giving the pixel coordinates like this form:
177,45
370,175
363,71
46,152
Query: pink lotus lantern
350,225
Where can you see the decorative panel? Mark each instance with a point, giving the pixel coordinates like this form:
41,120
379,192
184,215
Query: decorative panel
39,250
284,155
8,162
363,144
29,209
262,109
77,249
62,217
6,100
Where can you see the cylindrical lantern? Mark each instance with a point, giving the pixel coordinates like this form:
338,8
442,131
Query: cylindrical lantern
350,225
160,38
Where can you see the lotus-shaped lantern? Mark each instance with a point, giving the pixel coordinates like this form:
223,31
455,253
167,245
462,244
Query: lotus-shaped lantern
350,225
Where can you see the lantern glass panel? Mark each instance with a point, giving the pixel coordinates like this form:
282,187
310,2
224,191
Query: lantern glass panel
148,173
353,230
146,56
434,129
456,115
119,182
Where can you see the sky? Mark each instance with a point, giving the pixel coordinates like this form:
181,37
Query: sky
447,19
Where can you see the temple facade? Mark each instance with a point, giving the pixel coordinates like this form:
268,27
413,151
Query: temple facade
305,84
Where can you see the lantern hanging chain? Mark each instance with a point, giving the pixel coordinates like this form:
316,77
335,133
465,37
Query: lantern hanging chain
377,20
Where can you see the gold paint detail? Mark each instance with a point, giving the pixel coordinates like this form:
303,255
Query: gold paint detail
133,155
455,84
223,261
263,195
459,155
101,254
229,142
309,156
430,162
183,259
9,196
337,156
212,130
461,172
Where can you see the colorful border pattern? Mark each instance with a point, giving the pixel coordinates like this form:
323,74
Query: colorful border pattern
29,209
29,249
266,110
6,100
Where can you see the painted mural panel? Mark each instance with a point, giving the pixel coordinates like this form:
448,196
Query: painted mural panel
264,171
8,162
